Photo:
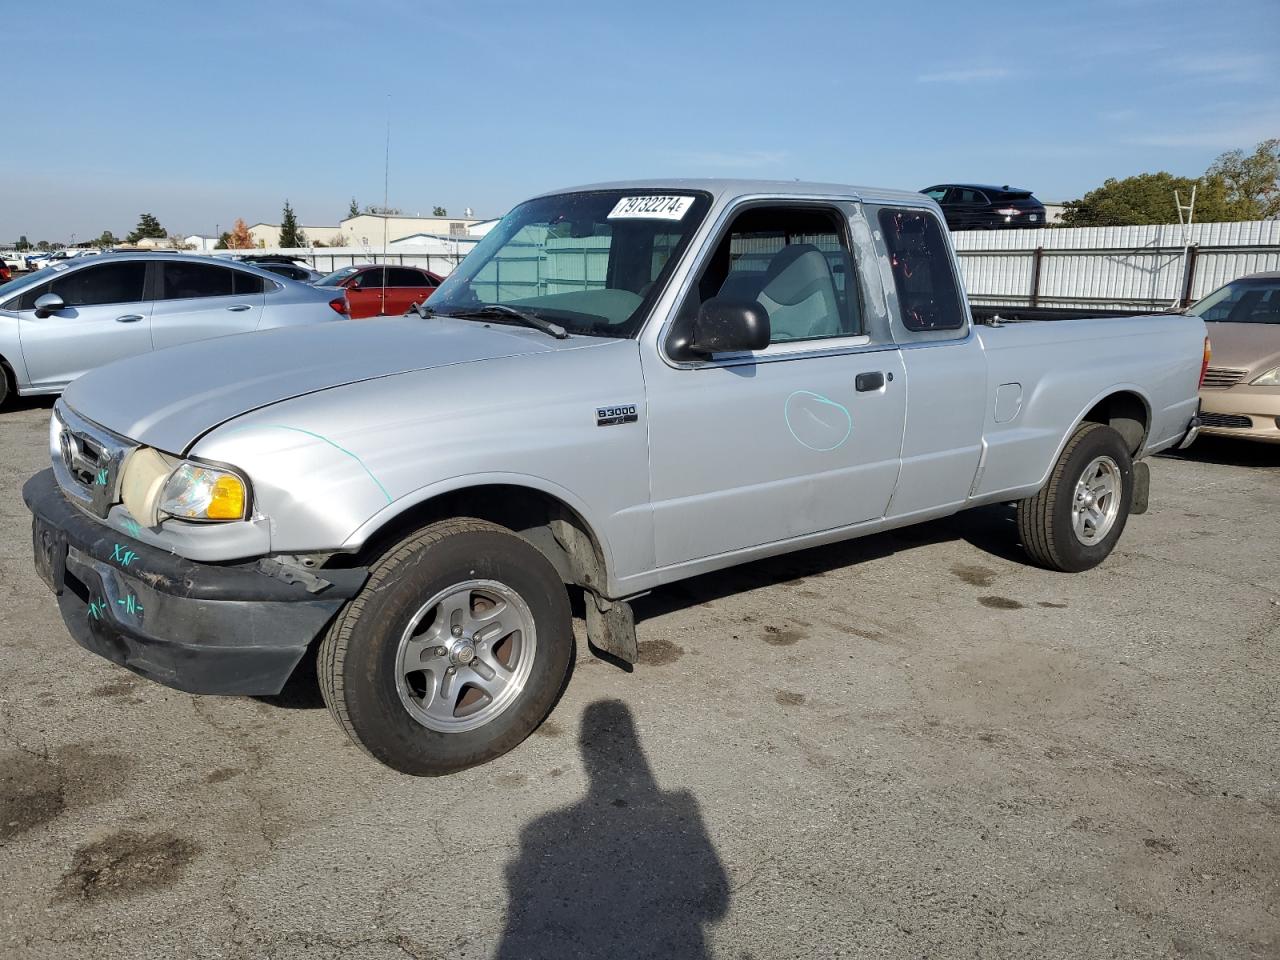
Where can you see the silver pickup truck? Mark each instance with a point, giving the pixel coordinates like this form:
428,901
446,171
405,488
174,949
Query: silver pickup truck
622,385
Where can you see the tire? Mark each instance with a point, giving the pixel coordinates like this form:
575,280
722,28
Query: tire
365,655
1047,522
6,383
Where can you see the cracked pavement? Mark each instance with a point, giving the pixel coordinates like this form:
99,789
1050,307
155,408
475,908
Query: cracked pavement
914,745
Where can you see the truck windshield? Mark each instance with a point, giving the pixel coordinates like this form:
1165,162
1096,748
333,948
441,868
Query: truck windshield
591,262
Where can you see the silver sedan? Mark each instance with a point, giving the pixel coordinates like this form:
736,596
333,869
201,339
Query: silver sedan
68,318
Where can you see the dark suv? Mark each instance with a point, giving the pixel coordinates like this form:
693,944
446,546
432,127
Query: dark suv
972,206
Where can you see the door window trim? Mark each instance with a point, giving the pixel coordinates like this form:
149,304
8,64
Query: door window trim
783,350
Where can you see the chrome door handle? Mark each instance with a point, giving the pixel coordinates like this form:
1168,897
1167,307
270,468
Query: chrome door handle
129,318
239,308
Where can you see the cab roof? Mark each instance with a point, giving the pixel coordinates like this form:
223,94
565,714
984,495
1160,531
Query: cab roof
732,189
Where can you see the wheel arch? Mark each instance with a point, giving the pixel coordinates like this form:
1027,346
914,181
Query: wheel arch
1124,407
1127,411
546,516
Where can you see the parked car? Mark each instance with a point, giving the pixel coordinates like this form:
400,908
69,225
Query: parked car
734,377
263,258
1240,396
292,271
374,290
5,273
45,259
70,317
14,260
969,206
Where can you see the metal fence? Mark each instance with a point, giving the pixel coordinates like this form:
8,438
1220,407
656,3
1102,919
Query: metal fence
1118,268
1083,268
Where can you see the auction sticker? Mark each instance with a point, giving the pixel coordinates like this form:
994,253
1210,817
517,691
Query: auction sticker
651,208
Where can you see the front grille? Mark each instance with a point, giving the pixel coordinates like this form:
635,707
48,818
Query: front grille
1222,377
87,461
1231,420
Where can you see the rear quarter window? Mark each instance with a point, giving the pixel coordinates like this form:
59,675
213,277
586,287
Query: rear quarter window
920,258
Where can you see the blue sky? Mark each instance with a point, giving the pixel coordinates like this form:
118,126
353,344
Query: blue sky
204,112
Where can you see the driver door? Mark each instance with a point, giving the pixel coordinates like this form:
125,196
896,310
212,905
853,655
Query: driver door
801,437
106,316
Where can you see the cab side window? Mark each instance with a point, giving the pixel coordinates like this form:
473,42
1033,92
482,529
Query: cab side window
928,296
793,261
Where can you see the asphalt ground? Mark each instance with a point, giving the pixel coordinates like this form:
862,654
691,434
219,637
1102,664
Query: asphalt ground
913,745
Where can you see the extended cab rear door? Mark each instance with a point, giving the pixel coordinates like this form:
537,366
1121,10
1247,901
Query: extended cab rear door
946,369
798,438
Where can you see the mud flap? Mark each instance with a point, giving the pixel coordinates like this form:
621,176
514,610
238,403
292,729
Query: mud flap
611,626
1141,487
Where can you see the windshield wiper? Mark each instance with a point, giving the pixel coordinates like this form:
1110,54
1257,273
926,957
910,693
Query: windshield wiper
502,310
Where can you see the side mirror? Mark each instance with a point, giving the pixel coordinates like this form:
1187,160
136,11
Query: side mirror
48,303
729,326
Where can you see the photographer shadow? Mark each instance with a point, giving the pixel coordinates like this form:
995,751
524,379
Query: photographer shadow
627,871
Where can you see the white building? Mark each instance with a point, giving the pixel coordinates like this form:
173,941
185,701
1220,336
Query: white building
268,235
368,230
199,243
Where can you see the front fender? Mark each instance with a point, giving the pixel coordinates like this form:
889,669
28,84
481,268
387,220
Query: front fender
11,350
392,511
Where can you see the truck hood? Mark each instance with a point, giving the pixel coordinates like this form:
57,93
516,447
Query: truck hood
170,398
1254,347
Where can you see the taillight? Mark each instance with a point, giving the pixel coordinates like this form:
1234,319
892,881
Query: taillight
1008,211
339,305
1204,365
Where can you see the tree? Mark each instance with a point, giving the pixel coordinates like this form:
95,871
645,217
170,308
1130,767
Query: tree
42,245
23,243
177,243
224,241
1148,198
108,239
291,236
439,212
148,226
1252,179
354,209
240,237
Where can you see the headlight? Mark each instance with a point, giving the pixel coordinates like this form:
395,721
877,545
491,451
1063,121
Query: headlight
1269,379
155,485
198,492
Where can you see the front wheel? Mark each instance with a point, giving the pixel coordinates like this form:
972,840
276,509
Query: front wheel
454,651
1075,520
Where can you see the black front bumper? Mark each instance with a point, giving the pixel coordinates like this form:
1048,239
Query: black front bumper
236,628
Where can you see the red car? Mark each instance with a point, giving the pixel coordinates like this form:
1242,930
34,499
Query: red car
376,291
5,275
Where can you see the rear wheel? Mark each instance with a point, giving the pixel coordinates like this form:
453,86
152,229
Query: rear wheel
1075,520
6,383
454,651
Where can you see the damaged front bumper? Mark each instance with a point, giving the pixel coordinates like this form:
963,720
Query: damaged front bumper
235,628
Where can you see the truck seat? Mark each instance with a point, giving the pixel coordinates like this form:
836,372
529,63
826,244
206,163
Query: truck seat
800,294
